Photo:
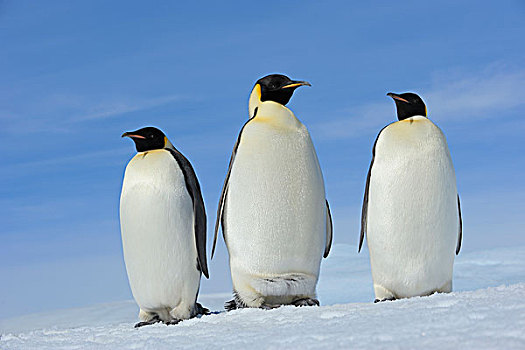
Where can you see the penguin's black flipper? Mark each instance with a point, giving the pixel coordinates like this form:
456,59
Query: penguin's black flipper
460,233
199,211
222,200
364,211
329,230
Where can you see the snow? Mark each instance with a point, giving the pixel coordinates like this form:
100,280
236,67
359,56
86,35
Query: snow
486,311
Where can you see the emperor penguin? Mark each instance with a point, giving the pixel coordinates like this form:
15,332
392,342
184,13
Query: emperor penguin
411,211
163,226
275,218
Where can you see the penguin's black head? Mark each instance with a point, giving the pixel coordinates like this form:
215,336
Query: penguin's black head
278,88
408,105
147,139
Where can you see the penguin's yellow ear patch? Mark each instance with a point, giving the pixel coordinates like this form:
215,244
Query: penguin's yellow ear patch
255,100
165,141
426,112
257,91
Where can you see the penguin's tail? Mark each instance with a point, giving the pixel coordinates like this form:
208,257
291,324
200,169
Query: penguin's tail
286,284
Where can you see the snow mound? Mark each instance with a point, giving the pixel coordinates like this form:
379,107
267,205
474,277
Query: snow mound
492,317
483,319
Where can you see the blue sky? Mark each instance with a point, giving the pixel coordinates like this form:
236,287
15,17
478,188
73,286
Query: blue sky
75,75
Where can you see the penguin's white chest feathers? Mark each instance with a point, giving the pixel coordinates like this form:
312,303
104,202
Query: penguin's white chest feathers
412,208
156,215
275,212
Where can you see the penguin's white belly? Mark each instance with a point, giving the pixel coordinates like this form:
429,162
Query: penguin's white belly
156,215
275,212
412,209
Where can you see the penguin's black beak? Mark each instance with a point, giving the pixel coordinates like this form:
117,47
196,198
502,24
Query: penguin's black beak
397,97
295,84
133,136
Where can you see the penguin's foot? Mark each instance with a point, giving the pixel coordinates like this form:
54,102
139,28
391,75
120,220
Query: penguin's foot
235,303
155,319
385,299
446,288
172,322
230,305
306,302
383,294
201,310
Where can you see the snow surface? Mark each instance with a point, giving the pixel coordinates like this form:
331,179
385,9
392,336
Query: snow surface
487,311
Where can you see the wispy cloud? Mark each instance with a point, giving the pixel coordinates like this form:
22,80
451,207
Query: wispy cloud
492,93
51,164
353,122
111,109
477,96
58,112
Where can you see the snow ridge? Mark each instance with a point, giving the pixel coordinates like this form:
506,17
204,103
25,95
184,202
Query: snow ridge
486,318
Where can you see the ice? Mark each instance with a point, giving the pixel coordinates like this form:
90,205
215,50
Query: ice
486,311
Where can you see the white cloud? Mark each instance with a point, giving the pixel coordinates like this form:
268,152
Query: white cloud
477,96
115,108
57,112
492,93
95,158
